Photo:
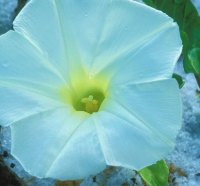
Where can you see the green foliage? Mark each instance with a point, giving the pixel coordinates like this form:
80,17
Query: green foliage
156,174
186,15
179,79
194,57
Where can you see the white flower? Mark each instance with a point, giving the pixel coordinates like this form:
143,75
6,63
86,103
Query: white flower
86,83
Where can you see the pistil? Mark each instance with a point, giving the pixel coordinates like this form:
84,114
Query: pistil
91,105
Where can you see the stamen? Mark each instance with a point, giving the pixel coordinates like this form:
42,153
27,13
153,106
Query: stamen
90,98
91,105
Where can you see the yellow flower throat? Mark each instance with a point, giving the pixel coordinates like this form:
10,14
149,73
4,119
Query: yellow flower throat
86,94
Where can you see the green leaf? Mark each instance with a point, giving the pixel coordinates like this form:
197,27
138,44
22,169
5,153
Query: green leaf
186,16
156,174
194,57
179,79
186,42
150,3
198,93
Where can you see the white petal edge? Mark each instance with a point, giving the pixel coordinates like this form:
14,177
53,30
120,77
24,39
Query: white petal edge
58,144
40,24
138,125
153,61
21,64
82,34
104,48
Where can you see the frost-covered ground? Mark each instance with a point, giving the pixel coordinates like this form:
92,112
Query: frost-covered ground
7,8
184,160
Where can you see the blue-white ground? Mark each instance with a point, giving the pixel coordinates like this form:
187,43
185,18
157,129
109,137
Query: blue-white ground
185,157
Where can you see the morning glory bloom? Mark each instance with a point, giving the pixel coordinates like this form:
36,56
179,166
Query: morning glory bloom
86,84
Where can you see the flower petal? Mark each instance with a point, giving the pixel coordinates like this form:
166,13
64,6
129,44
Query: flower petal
153,61
82,23
81,39
39,23
108,36
22,64
27,85
58,144
138,124
18,103
145,44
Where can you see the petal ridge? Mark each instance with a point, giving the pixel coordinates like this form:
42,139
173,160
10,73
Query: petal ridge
141,121
9,84
63,147
35,114
97,130
126,152
46,60
135,47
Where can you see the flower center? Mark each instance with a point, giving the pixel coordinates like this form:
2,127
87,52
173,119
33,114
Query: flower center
90,102
91,105
85,94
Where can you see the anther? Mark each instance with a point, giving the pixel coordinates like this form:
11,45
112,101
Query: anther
91,105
